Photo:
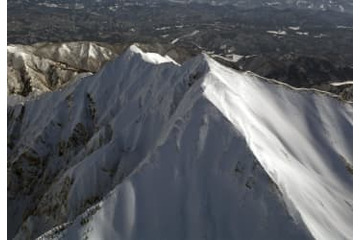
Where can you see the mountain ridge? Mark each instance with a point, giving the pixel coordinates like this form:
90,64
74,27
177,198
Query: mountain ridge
187,104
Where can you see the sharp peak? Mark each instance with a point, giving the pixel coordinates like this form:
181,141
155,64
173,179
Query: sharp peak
135,49
150,57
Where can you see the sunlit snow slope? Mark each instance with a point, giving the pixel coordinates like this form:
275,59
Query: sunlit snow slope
150,149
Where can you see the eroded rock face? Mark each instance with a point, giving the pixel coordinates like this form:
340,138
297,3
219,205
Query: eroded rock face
344,91
46,67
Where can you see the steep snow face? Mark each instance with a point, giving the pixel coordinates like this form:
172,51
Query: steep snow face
200,181
147,148
302,139
105,124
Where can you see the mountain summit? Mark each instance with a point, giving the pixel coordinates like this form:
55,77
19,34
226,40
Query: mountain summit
151,149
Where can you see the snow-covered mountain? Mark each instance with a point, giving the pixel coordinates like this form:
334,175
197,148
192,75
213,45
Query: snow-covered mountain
44,67
151,149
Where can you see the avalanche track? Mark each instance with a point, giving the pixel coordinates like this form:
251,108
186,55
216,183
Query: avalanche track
150,149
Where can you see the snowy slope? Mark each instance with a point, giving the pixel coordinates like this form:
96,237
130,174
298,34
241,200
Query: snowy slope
44,67
150,149
301,140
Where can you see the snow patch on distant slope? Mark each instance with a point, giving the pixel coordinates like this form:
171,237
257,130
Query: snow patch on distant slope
185,36
336,84
277,33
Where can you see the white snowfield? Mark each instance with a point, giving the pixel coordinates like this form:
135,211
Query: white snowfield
299,139
192,151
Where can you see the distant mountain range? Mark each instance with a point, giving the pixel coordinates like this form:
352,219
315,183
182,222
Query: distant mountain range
44,67
334,5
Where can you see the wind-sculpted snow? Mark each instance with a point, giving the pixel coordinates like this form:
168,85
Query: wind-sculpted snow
302,139
150,149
